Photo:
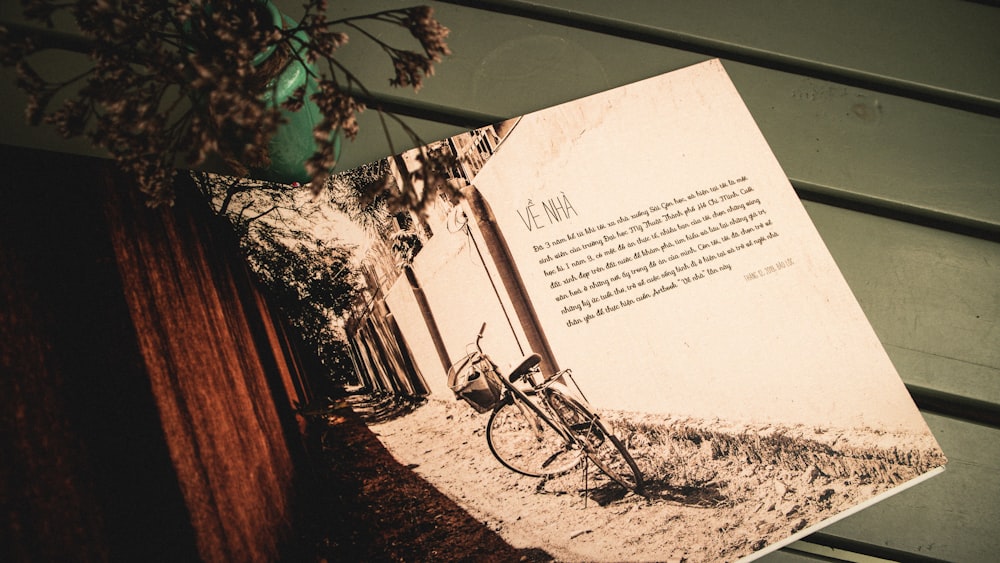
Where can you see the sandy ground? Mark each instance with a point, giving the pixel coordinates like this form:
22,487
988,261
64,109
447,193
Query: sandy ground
710,496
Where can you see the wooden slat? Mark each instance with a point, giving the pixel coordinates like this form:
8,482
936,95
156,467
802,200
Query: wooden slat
806,550
931,297
952,517
931,50
892,155
791,556
889,154
369,146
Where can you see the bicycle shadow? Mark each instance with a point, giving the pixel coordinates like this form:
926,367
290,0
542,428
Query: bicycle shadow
708,495
658,490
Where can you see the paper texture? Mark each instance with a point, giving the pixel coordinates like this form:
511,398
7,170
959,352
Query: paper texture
647,239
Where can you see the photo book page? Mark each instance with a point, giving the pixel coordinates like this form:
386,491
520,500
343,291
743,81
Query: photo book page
633,342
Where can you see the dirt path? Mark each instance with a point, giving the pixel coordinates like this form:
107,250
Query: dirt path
369,507
721,495
445,443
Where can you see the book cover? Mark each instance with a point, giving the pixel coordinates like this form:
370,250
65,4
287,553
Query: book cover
703,385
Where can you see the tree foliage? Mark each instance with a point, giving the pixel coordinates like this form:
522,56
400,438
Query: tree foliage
362,194
304,269
312,282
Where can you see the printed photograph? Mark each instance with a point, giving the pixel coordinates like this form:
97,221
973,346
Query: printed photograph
623,340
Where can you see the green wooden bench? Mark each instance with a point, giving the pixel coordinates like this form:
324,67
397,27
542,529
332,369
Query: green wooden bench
886,117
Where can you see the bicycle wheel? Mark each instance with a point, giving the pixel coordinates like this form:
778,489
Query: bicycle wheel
600,445
524,443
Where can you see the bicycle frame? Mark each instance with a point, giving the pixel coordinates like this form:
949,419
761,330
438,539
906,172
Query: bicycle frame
522,398
567,414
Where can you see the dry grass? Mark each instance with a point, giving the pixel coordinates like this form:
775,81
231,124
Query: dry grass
686,453
714,491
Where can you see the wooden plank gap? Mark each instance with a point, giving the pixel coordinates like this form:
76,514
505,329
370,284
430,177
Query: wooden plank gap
431,112
990,3
833,555
877,551
891,209
966,409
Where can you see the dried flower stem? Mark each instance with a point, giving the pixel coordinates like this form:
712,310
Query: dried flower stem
151,59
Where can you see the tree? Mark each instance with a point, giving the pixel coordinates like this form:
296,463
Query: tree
377,209
312,283
305,271
362,194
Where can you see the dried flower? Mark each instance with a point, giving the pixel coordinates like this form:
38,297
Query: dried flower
410,69
428,31
182,78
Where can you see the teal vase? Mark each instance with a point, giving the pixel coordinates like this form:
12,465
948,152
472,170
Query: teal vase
293,142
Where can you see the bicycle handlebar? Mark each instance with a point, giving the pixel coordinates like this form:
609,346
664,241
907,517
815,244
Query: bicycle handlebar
480,336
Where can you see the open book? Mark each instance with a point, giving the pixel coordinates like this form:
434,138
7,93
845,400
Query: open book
646,239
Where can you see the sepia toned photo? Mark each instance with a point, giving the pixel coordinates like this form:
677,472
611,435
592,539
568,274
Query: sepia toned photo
627,339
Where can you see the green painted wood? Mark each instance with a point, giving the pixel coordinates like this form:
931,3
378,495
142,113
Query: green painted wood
931,49
898,156
369,146
806,550
14,130
789,556
951,517
895,155
931,296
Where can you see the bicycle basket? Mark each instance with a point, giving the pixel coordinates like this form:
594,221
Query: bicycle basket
474,379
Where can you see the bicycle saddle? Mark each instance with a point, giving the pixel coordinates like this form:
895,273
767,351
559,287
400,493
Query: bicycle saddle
525,365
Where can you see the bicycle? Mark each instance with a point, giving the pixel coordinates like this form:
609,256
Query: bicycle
539,429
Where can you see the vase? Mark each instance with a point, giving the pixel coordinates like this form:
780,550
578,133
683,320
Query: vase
293,142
